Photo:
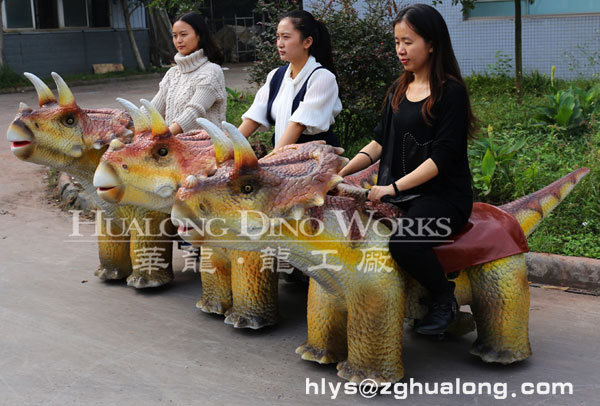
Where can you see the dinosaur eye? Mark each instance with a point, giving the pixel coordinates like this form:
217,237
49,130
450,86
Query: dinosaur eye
162,152
247,189
69,120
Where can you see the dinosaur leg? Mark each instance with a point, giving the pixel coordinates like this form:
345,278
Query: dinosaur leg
501,310
113,252
326,318
216,281
254,292
375,324
151,253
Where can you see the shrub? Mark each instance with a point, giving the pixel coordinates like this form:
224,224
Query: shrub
10,78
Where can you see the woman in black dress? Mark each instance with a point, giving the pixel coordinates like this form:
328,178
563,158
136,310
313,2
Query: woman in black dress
422,147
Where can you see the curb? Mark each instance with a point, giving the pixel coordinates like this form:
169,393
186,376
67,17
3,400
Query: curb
576,273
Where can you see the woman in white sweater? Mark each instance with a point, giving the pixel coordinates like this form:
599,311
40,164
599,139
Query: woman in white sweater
195,87
301,98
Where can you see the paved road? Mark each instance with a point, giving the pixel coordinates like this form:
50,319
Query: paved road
63,341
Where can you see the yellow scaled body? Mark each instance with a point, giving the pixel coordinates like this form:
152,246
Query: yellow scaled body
355,314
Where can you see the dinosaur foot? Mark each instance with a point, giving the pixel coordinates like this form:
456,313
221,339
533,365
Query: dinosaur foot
239,320
211,306
508,356
105,274
309,353
358,375
149,280
463,324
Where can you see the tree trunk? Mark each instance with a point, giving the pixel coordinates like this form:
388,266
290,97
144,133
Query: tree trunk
1,37
518,52
136,51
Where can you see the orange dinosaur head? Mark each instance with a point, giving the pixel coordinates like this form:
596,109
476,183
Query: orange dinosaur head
281,185
148,171
59,133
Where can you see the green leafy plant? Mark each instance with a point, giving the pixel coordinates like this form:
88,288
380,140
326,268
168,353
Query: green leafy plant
589,101
502,67
491,160
562,110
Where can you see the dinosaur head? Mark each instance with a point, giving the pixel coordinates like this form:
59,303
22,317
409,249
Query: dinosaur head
148,171
282,185
59,133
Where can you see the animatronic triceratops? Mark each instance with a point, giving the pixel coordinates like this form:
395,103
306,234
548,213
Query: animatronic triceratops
355,317
155,162
67,138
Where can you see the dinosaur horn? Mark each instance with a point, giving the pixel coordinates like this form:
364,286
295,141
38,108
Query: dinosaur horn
223,145
245,158
45,95
65,96
24,108
159,125
140,120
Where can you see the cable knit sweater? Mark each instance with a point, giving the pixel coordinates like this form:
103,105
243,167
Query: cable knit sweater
194,88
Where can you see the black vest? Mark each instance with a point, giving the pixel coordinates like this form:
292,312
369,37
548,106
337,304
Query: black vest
328,136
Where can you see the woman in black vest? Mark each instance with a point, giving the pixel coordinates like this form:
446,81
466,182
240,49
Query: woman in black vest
301,98
422,147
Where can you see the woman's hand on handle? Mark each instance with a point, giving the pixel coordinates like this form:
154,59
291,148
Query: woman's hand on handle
378,192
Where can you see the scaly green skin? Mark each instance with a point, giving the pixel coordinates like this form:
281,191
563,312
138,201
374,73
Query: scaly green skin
237,287
354,317
64,137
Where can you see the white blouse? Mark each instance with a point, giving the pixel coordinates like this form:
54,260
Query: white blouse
317,111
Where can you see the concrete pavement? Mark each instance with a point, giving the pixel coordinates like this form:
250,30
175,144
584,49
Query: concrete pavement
67,338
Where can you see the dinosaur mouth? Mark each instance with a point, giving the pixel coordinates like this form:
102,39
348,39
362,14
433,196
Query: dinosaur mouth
21,139
183,229
107,183
112,194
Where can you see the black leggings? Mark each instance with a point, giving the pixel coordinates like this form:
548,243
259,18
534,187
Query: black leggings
428,220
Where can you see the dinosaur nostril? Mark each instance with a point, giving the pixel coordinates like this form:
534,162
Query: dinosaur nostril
202,207
36,125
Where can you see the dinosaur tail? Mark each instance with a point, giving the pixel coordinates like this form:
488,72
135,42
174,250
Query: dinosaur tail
530,210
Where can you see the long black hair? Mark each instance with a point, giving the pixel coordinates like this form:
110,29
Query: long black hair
428,23
207,42
308,26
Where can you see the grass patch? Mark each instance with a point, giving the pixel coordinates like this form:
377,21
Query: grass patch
11,79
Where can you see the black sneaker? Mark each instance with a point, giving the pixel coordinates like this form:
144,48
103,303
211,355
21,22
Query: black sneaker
440,315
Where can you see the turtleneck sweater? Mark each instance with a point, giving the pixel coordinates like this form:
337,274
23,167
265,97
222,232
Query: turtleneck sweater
194,88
